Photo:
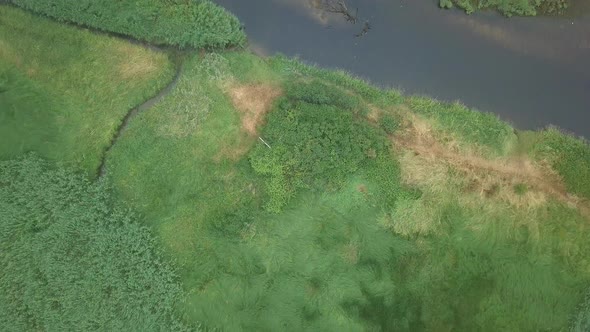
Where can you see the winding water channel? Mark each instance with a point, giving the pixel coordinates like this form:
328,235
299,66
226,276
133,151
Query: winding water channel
532,72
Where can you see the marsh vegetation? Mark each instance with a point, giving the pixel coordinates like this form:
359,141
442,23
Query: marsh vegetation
267,194
510,7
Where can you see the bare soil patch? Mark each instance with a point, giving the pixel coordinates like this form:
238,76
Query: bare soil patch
253,101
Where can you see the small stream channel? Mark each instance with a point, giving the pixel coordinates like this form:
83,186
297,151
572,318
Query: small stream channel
134,111
532,71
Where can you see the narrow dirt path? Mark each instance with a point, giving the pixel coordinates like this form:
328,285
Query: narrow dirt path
134,111
483,172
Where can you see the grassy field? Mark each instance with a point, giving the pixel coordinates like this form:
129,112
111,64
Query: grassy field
64,91
281,197
441,226
510,7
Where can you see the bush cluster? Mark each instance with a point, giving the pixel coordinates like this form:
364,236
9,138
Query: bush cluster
182,23
315,141
509,7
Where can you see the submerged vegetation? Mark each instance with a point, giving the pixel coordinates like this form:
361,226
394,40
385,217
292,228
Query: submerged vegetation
285,196
510,7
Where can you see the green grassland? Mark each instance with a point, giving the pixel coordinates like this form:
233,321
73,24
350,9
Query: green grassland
294,237
510,7
282,196
64,91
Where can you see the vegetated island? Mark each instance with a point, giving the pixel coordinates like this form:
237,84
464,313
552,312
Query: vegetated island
510,7
263,193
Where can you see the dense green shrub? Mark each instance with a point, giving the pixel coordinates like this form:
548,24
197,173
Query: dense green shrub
319,93
315,141
71,261
445,4
183,23
386,173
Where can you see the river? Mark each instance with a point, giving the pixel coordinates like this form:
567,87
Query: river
532,71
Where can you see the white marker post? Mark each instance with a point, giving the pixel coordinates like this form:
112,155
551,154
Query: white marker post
263,141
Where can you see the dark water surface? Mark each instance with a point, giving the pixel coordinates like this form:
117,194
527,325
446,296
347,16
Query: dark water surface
532,72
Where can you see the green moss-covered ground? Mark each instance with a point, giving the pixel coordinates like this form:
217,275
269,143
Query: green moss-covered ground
288,197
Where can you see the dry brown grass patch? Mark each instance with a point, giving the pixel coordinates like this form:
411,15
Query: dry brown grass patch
421,172
253,101
414,217
429,163
362,188
374,114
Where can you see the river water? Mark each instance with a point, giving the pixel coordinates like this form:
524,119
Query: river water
532,72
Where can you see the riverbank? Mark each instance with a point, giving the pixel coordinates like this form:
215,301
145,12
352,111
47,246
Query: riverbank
291,197
213,186
522,69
